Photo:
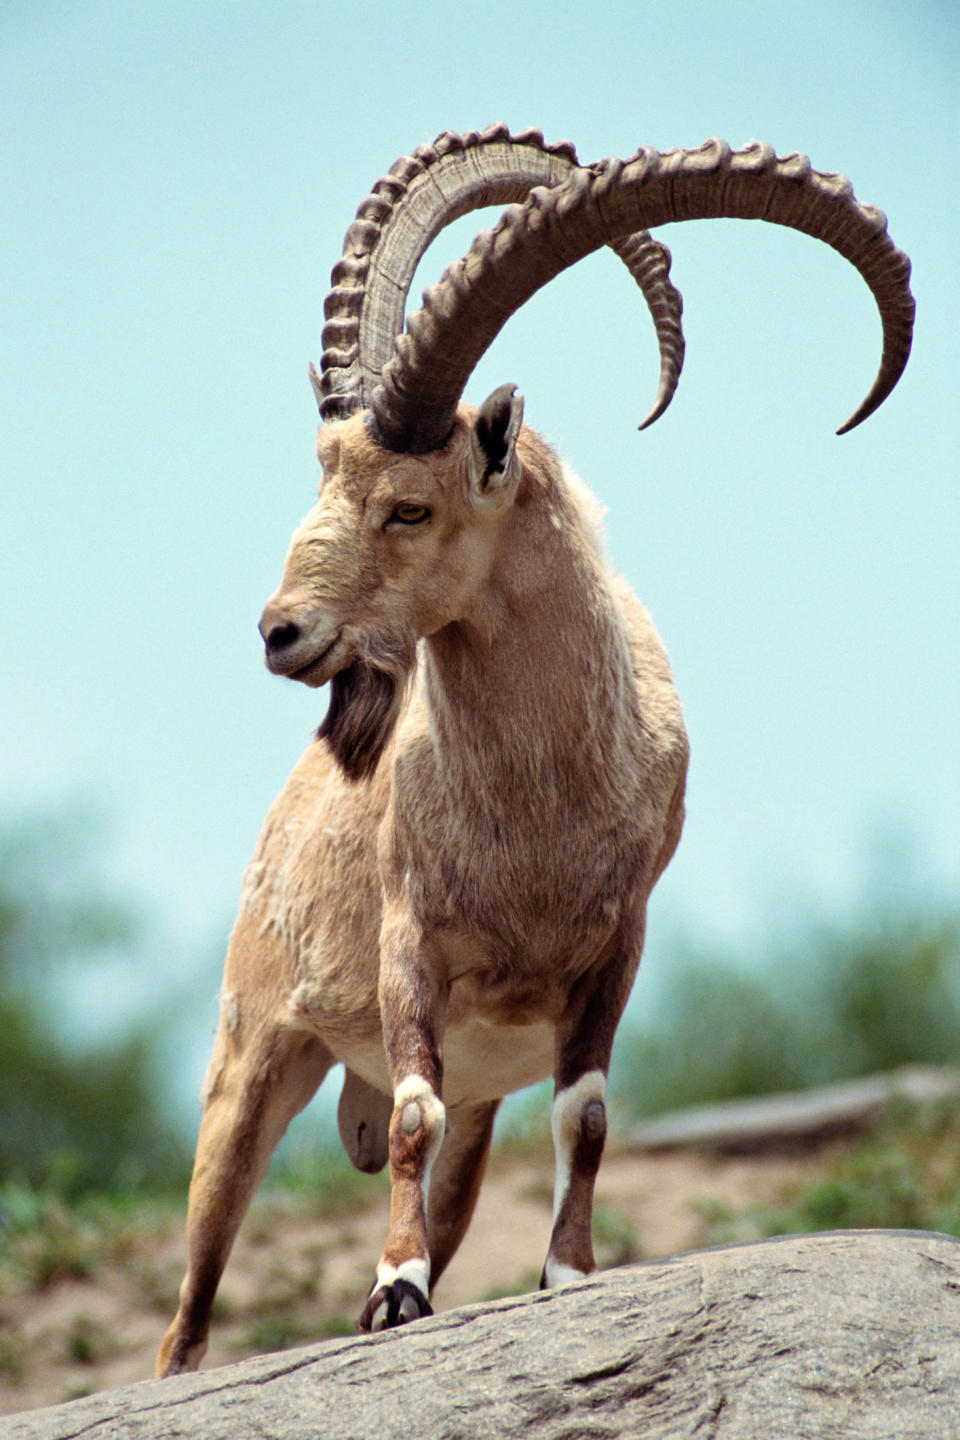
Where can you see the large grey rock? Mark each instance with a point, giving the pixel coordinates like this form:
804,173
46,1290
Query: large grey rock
796,1116
853,1335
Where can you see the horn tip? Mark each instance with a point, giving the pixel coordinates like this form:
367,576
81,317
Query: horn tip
860,414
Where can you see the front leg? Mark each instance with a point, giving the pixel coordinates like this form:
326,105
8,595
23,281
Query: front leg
412,999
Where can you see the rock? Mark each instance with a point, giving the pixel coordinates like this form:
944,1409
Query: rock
854,1334
796,1117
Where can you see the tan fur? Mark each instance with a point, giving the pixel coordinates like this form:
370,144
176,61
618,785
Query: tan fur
471,910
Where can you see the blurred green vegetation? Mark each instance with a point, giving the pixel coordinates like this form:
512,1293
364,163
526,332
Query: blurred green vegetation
880,991
311,1170
76,1117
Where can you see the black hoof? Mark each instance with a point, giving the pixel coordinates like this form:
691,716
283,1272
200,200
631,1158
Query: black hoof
391,1305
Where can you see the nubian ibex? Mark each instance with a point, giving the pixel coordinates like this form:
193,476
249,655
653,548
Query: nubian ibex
450,894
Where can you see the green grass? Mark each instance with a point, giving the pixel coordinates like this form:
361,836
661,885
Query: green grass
88,1341
904,1174
45,1238
274,1330
13,1358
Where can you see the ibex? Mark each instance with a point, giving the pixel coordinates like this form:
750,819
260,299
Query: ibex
449,895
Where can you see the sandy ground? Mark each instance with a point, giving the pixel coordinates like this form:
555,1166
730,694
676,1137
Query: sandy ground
294,1278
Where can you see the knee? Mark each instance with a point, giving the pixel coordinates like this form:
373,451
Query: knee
593,1121
579,1122
416,1127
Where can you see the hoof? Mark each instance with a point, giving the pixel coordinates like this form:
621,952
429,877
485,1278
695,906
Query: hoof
391,1305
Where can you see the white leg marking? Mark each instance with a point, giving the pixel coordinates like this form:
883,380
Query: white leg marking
565,1124
556,1274
414,1090
418,1104
417,1272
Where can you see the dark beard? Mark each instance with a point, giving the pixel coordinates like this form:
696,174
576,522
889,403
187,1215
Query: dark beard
365,703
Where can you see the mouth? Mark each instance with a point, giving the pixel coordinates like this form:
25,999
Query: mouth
319,670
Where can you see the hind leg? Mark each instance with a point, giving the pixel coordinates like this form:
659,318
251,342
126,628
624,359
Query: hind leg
256,1084
579,1119
456,1179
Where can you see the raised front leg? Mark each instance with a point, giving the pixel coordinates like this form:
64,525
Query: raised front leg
412,998
579,1119
455,1182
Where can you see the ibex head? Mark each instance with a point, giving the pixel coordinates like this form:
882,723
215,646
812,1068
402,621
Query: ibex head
396,547
417,487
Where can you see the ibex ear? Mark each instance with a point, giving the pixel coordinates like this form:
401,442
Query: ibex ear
494,464
315,383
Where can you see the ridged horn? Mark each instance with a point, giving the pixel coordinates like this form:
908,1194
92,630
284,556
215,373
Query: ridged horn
407,209
415,405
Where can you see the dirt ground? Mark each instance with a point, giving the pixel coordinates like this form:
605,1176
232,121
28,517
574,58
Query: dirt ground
294,1278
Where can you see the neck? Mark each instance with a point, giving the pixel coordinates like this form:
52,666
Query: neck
531,696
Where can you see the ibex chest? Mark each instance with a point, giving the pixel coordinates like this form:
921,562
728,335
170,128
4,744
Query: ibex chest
522,897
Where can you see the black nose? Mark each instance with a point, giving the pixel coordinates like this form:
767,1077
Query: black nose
281,637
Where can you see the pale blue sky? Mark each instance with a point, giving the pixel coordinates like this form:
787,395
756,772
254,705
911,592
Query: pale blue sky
176,181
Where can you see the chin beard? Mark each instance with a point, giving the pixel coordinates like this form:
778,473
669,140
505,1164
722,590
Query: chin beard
365,702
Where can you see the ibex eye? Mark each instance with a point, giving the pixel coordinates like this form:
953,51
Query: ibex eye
410,514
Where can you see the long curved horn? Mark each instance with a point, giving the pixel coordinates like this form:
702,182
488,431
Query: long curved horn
414,407
404,213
